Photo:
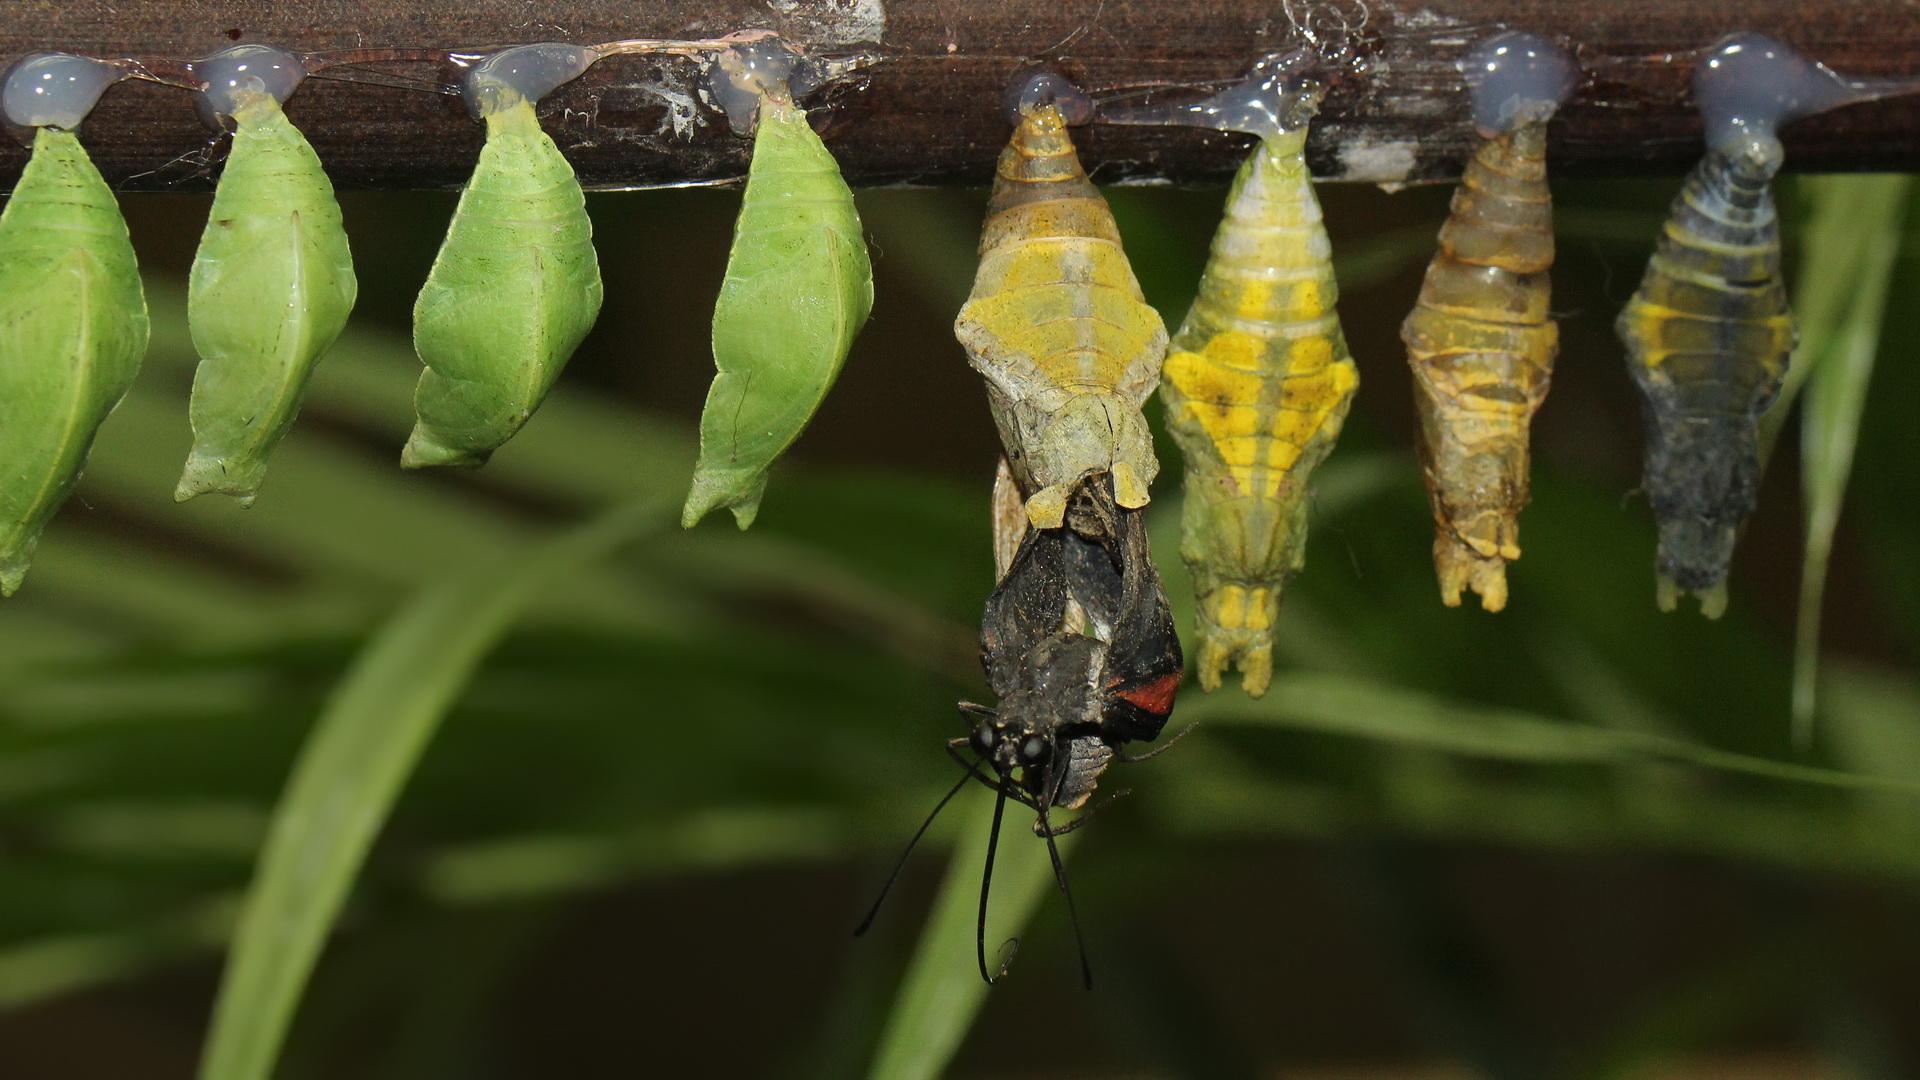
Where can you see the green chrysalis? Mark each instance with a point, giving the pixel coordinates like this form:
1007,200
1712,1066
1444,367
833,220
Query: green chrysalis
73,329
270,290
798,288
516,284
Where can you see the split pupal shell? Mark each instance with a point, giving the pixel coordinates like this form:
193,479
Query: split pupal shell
73,329
1257,385
1058,326
514,289
1708,337
270,290
1008,515
797,290
1482,347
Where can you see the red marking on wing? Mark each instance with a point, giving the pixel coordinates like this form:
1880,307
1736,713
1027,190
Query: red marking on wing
1157,696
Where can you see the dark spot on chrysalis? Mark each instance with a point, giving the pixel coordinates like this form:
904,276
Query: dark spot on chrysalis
234,34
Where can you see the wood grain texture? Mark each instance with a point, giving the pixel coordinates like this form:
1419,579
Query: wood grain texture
929,110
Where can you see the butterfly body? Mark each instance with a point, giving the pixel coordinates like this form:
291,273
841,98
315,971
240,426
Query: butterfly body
1079,649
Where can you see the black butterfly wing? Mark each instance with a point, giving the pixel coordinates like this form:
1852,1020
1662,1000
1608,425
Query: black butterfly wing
1028,605
1144,661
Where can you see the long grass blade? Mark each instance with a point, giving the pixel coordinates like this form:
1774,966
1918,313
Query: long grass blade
1862,217
1869,728
942,991
1363,709
1825,279
361,752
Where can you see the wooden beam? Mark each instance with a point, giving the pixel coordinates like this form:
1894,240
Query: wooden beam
927,111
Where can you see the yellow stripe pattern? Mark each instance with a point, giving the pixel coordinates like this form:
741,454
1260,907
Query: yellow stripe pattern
1257,384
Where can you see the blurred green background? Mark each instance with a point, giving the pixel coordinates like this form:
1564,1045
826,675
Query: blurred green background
1540,844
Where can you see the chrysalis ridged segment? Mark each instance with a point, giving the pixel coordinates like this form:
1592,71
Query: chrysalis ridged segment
73,330
271,287
1708,336
1058,327
1482,346
1709,333
1257,386
514,288
798,288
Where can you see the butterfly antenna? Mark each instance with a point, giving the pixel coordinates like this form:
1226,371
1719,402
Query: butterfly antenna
874,911
986,880
1060,875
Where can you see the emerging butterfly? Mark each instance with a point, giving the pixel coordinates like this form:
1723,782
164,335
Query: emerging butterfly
516,284
1709,334
797,290
1259,379
73,317
1480,341
1056,321
1081,655
272,283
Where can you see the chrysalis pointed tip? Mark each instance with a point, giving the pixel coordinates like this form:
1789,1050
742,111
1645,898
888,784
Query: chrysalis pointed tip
1210,664
1491,584
1713,599
711,491
1256,672
216,474
422,452
1713,602
11,575
1666,593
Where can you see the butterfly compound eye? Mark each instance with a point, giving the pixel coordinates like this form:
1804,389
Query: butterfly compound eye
983,739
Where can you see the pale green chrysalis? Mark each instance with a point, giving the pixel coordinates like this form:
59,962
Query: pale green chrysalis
73,318
272,283
516,284
798,288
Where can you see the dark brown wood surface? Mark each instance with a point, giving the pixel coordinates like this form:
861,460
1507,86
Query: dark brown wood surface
927,111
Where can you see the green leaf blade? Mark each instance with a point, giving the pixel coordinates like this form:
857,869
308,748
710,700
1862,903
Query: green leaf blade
358,759
942,991
1857,219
